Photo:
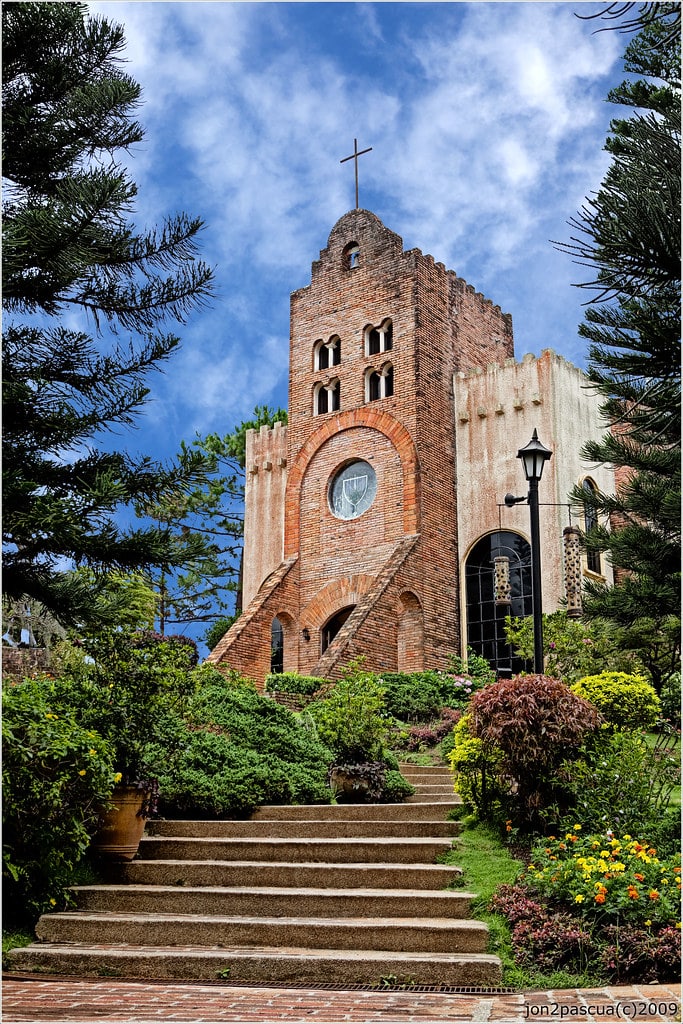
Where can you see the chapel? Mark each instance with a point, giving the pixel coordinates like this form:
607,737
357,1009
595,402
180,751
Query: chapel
375,521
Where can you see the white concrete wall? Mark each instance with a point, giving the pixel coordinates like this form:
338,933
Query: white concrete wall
264,506
496,411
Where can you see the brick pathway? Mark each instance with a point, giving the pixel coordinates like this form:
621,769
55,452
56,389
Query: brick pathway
62,1001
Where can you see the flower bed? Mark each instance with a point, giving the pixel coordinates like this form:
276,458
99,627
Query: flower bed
604,904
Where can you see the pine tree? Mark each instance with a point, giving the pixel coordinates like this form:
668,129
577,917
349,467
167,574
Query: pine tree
86,298
214,510
629,232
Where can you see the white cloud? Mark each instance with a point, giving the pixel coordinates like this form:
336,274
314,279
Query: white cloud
487,122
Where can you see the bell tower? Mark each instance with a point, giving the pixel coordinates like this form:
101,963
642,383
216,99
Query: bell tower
368,524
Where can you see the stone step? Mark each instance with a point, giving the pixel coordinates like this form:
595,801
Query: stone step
438,935
358,851
419,772
273,901
304,829
444,799
432,810
435,787
266,965
344,875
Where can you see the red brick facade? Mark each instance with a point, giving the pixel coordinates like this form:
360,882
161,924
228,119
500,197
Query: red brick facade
396,565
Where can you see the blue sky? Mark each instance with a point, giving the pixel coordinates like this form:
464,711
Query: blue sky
487,123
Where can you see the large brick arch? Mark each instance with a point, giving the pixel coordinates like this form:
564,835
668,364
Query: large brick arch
385,424
336,595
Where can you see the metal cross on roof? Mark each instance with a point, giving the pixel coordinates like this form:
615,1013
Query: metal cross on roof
354,156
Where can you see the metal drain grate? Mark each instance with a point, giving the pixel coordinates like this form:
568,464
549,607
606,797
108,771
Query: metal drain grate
294,986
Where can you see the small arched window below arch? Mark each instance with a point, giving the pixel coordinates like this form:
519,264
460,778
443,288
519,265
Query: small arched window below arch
593,563
379,339
327,353
326,398
379,383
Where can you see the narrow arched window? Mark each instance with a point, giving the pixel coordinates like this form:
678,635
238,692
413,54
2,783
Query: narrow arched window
379,339
326,397
327,353
372,341
593,563
353,257
277,646
379,383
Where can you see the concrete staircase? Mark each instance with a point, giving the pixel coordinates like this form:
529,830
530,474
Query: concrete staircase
345,894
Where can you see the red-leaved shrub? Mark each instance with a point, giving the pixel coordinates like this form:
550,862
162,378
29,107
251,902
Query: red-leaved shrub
642,956
535,721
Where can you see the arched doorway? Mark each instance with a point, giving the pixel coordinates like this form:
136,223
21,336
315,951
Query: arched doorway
333,625
485,619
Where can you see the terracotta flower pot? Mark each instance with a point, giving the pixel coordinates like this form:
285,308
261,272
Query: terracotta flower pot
121,828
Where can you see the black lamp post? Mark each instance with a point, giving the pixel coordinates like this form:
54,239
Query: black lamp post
534,456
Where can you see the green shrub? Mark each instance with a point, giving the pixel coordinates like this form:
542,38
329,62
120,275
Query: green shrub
572,648
123,683
350,719
412,696
625,701
476,769
474,666
56,775
670,698
534,721
236,750
619,781
291,682
396,788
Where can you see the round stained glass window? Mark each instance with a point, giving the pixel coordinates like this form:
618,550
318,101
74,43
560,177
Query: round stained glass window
352,490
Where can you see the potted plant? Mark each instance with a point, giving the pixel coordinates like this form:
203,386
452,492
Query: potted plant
350,721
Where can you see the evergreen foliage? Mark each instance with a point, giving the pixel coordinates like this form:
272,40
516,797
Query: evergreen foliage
86,297
629,234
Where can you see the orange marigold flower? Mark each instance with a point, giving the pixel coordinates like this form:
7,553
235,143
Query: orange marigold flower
600,898
633,893
654,895
639,878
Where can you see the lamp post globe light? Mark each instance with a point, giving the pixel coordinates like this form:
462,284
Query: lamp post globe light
534,456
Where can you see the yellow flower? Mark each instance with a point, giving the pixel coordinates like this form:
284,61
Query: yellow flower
82,771
628,837
531,867
118,777
53,903
577,828
618,866
604,853
648,924
92,752
579,898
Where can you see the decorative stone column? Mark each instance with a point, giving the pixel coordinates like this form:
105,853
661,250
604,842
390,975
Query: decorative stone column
572,571
502,589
